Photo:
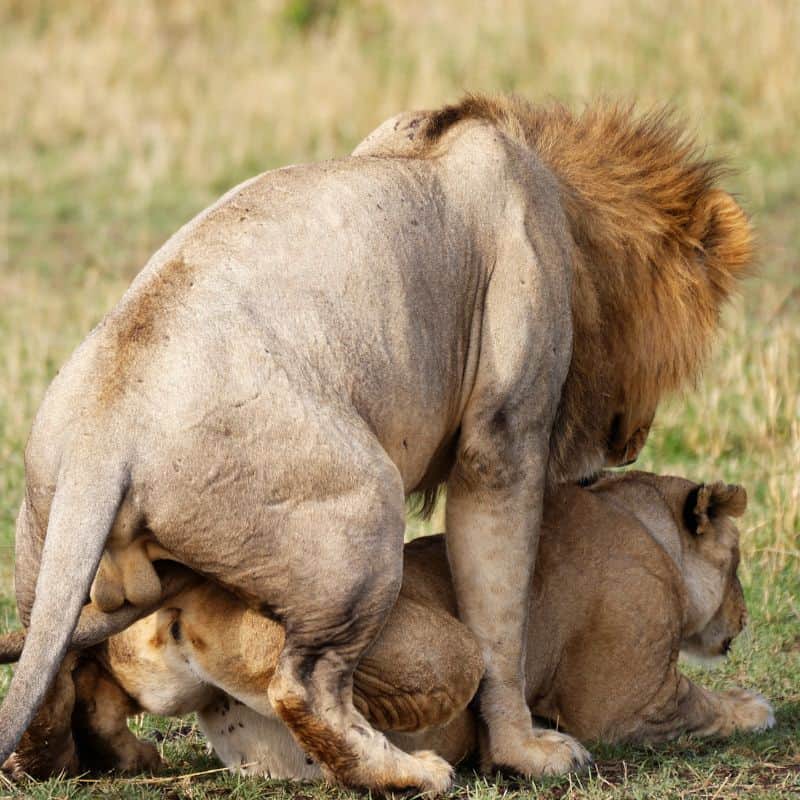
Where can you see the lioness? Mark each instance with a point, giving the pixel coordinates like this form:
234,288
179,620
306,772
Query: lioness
629,572
487,296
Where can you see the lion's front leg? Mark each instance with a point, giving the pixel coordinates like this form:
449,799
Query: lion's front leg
494,506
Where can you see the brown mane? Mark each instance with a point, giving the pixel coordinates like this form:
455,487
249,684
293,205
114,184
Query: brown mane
658,249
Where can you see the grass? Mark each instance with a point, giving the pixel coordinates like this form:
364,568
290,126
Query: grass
122,120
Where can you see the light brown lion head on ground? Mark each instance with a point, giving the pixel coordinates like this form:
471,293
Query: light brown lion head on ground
717,610
708,557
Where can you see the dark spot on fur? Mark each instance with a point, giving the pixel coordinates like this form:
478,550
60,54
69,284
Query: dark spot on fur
426,493
726,645
689,514
175,630
443,120
268,611
306,667
231,728
499,423
487,467
613,442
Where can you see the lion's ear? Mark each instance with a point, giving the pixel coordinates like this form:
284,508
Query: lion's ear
724,239
709,501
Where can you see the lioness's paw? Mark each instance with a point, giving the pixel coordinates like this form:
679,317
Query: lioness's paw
750,711
139,756
545,753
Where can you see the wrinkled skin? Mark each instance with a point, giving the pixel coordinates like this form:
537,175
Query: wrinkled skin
616,612
322,342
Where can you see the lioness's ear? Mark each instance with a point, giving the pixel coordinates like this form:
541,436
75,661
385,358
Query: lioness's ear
724,237
708,501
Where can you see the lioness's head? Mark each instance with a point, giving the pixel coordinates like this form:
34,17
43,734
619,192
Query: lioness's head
694,523
717,611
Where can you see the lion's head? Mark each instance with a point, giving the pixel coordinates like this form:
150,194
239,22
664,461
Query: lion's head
658,248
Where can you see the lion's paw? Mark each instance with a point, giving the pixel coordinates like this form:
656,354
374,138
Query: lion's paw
437,775
422,772
545,753
750,711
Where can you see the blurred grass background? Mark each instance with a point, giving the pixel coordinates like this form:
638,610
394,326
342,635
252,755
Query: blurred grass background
121,120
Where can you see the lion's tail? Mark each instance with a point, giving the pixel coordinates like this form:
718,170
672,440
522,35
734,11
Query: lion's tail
87,497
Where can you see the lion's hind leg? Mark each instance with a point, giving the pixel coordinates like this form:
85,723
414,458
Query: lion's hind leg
331,618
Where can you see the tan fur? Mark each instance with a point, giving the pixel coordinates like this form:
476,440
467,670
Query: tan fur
99,722
135,324
625,580
495,299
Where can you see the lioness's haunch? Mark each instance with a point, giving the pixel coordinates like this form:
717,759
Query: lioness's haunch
630,571
488,296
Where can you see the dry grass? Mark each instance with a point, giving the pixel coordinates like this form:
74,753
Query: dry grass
123,119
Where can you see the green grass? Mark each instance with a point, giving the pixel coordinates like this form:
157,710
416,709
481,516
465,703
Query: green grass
123,120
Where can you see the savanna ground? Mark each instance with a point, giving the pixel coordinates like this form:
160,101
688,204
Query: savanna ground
124,119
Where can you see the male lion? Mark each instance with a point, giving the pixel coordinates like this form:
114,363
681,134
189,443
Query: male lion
502,297
629,572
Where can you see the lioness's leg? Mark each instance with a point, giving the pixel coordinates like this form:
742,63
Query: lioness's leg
100,724
47,748
703,712
421,672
